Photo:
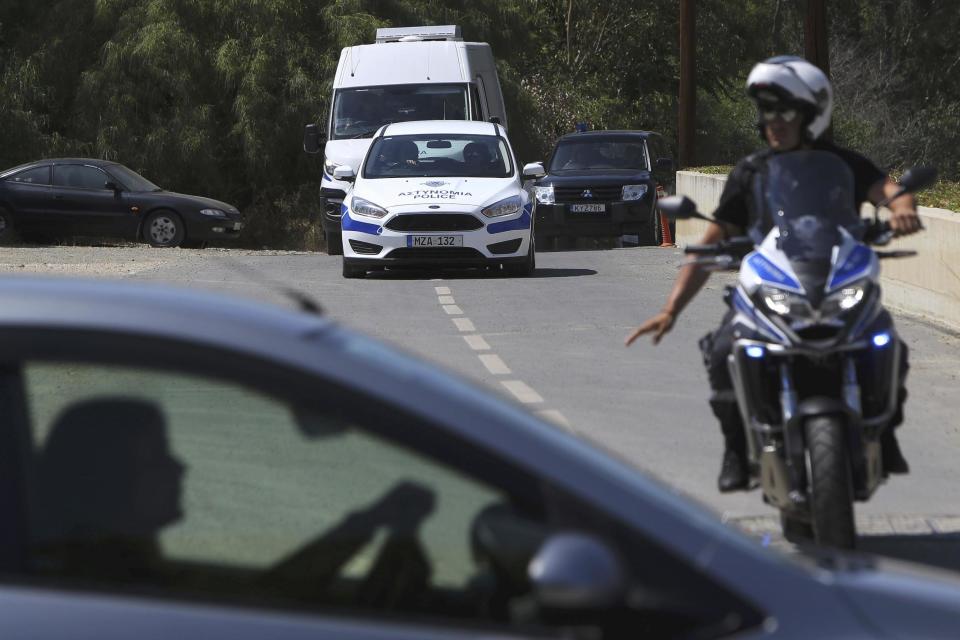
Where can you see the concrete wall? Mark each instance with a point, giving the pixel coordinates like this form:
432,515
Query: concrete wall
927,285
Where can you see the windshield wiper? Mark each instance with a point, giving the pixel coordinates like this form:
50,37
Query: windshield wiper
364,134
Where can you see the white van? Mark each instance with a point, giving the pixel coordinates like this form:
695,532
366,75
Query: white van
410,73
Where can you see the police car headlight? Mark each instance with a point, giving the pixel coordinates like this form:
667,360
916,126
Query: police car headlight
505,207
634,191
845,299
545,195
329,166
784,303
363,207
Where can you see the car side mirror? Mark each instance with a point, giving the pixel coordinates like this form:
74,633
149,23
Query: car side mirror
534,170
680,208
495,120
113,186
311,138
665,164
344,173
576,572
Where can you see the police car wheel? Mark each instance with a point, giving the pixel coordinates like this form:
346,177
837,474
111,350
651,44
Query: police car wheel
352,270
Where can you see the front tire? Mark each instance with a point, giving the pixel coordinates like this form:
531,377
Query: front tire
164,229
527,267
829,483
795,530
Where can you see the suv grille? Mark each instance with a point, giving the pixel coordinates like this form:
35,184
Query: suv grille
435,222
600,194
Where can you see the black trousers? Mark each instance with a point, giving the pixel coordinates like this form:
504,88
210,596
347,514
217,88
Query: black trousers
716,346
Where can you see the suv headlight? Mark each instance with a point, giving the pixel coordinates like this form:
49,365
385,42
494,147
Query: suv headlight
214,213
329,166
545,195
784,303
845,299
505,207
363,207
634,191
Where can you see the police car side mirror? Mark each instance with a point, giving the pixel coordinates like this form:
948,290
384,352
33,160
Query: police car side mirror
534,170
344,173
311,138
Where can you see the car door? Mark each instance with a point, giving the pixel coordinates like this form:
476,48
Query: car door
28,195
83,203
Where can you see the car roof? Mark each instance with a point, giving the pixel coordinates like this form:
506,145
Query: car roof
607,133
37,163
471,127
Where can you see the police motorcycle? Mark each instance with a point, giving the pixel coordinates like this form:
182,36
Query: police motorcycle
816,358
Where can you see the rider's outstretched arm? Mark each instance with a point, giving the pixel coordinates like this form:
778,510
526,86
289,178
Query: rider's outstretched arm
904,220
689,281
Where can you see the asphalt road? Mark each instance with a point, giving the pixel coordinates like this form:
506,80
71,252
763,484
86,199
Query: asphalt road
554,342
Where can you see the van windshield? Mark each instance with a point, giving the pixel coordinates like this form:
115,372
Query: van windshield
358,113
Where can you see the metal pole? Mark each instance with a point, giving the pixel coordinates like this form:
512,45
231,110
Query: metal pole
688,84
815,40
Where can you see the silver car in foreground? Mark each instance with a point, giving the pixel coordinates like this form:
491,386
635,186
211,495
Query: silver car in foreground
183,465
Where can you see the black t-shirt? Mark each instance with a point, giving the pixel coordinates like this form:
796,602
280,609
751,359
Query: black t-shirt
737,205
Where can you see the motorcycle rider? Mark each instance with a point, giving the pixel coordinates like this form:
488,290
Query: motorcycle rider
794,102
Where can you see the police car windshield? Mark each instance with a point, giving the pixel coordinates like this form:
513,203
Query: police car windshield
600,154
438,156
809,196
358,113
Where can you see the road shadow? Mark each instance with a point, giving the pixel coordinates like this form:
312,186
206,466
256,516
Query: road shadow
415,273
935,549
547,272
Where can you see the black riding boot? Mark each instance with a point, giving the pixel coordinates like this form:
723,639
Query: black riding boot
734,471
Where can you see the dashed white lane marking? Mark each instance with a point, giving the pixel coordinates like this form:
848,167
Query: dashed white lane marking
442,291
476,342
447,300
554,416
522,392
494,364
453,310
465,325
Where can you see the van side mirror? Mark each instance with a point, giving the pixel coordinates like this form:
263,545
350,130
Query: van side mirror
344,173
665,164
534,170
577,573
311,138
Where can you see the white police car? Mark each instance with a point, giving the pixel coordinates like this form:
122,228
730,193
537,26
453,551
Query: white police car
438,192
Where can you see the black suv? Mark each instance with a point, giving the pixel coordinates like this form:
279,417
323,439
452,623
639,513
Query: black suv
603,184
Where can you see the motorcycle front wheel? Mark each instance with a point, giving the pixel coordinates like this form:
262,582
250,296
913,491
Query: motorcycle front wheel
829,482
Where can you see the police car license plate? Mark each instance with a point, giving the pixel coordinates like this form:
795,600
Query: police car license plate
588,208
434,241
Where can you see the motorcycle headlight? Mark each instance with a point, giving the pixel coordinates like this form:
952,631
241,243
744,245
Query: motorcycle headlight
545,195
363,207
784,303
505,207
845,299
329,166
634,191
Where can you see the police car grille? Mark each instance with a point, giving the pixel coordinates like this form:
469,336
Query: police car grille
434,222
435,253
600,194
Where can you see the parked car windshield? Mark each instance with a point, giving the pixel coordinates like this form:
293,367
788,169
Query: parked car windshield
599,154
130,179
443,155
358,113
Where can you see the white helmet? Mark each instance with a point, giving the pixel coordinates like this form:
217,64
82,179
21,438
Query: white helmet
794,81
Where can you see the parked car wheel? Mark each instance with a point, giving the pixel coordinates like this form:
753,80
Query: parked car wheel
163,229
6,224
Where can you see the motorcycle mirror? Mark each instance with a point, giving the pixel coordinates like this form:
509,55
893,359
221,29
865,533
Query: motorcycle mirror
916,178
680,208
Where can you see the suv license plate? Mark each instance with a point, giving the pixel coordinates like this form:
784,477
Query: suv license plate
434,241
588,208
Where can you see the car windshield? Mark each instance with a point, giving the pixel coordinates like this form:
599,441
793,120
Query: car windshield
438,155
600,154
130,179
358,113
809,196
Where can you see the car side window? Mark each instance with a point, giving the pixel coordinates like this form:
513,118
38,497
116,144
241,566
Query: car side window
199,486
37,175
79,176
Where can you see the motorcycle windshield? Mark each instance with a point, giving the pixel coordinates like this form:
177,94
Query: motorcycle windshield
809,196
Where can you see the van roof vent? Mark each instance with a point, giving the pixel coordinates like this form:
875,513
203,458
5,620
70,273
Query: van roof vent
414,34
